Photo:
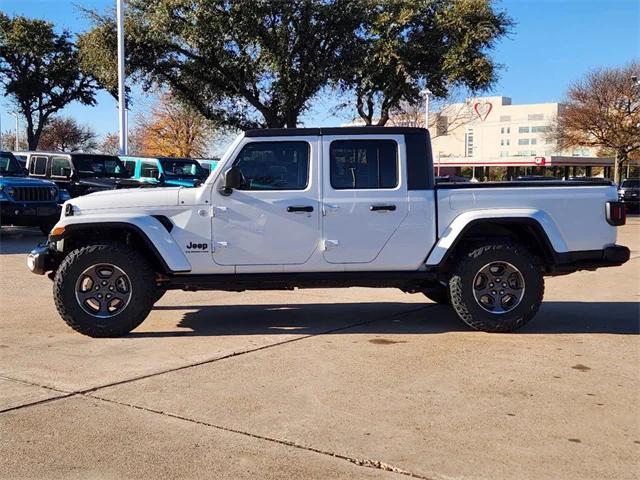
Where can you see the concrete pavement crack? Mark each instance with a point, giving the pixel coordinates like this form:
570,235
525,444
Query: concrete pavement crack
362,462
67,394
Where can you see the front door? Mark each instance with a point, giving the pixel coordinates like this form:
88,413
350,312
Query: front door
364,195
274,217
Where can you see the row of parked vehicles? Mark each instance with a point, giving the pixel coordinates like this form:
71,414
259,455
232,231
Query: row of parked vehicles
33,185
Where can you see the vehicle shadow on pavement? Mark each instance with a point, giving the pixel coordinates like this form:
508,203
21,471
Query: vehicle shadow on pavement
622,318
19,239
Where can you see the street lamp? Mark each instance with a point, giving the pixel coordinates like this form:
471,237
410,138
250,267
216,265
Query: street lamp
15,114
122,120
425,93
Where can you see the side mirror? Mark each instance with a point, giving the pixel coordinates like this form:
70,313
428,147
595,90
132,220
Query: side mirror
160,176
66,172
232,179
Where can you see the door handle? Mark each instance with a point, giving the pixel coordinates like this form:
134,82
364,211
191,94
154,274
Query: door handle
382,208
296,209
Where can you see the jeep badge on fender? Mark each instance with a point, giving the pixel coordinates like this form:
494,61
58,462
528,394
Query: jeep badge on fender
194,247
329,207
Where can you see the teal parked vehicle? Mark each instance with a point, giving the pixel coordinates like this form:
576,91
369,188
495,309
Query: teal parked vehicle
165,171
209,164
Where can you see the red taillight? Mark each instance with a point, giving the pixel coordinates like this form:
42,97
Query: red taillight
616,213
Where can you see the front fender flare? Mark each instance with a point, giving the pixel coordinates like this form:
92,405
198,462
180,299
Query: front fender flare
456,229
153,233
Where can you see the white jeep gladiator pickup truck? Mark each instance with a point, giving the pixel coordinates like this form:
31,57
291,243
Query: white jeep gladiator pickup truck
328,207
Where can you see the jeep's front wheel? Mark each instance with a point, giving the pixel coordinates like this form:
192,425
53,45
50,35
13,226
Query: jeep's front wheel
497,287
104,290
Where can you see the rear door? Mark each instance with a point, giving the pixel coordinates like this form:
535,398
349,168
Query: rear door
364,195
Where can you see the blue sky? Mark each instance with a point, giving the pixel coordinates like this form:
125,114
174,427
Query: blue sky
553,43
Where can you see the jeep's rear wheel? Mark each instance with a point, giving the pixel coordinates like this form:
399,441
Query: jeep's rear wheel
497,287
104,290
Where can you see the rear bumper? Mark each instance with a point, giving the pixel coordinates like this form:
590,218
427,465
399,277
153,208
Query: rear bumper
610,256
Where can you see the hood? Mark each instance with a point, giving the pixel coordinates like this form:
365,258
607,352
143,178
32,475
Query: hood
24,182
130,198
108,182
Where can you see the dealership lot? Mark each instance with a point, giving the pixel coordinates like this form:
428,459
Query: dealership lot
350,383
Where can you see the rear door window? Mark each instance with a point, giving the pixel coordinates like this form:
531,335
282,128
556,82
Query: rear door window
149,170
38,165
58,166
363,164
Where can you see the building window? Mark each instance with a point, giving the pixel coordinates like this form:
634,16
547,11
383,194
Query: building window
505,118
523,130
539,129
505,142
469,143
504,130
357,164
535,116
534,141
504,153
523,141
523,153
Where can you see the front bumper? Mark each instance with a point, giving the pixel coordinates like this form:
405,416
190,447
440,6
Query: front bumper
28,215
610,256
43,259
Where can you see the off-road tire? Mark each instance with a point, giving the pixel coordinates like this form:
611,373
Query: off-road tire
471,262
439,295
143,289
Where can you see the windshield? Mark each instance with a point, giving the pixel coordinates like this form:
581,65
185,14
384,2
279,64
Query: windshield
182,168
631,184
9,165
100,166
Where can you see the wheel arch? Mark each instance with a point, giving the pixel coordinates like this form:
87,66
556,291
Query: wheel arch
537,232
148,235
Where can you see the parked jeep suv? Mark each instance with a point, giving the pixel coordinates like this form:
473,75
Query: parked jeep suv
81,173
165,171
27,201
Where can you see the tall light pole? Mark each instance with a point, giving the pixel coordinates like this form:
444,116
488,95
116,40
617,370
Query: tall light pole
122,120
425,93
17,130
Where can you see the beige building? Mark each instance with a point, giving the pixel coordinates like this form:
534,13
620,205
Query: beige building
491,131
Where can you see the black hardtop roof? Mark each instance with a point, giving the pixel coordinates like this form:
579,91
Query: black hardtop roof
71,154
297,132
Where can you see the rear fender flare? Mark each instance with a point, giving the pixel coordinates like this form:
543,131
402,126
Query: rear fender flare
456,230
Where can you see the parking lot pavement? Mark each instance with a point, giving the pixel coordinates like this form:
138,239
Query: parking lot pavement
323,383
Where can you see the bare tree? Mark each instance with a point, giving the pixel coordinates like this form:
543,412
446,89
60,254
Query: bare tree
602,110
63,134
445,114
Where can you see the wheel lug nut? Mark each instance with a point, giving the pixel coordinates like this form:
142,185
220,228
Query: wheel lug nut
498,280
104,282
111,288
493,292
501,292
504,284
108,295
97,287
99,295
491,284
